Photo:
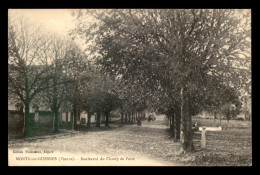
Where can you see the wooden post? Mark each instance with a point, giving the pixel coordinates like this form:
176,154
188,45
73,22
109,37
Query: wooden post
203,137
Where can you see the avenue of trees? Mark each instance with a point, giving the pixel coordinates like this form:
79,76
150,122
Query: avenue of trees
180,62
51,71
174,62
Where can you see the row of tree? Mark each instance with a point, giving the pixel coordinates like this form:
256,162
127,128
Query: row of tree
178,62
51,71
175,62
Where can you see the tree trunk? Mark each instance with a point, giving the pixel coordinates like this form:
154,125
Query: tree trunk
129,117
107,117
56,121
181,115
187,125
173,124
122,117
74,126
125,117
178,123
26,126
67,118
55,110
98,119
72,120
170,121
89,120
55,107
78,114
171,117
21,122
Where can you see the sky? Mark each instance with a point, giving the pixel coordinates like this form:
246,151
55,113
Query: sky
55,20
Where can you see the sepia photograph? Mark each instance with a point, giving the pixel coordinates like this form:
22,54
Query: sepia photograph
129,87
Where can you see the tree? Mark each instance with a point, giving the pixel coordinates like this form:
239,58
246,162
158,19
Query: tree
54,94
28,71
131,98
99,94
177,51
76,71
222,99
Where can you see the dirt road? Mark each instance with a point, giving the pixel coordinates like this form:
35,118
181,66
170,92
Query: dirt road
128,145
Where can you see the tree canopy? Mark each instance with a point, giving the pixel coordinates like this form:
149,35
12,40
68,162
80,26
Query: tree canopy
175,55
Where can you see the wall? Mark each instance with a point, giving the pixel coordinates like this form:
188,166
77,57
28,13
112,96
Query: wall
85,115
15,120
44,119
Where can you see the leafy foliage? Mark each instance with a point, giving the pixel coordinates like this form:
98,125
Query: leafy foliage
163,50
175,56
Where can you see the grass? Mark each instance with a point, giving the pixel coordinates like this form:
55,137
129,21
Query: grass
230,147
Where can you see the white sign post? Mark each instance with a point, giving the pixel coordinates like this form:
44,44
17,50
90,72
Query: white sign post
203,137
204,130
